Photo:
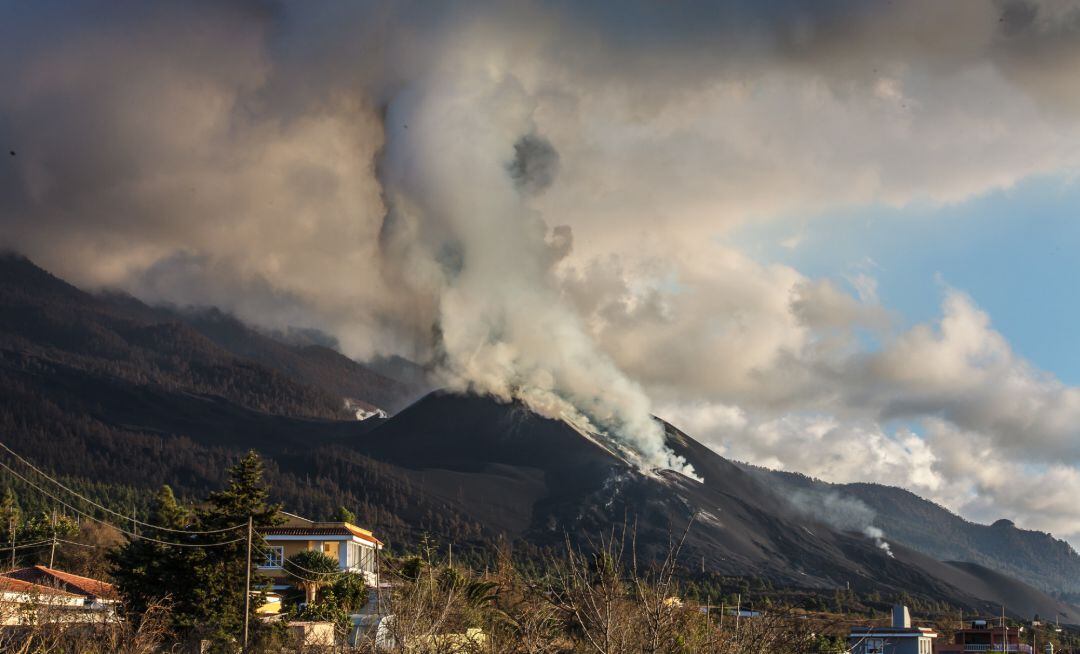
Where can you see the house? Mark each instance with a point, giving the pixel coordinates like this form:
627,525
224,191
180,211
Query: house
22,602
898,638
355,549
983,636
96,594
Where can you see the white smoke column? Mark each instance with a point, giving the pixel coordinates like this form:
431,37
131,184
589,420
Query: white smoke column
839,511
466,236
879,539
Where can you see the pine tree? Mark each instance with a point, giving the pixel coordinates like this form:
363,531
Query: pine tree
146,572
220,574
10,516
205,585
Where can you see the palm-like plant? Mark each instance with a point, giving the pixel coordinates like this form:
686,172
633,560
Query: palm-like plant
312,570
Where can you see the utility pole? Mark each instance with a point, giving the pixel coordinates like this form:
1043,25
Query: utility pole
52,551
738,611
378,581
11,528
247,586
1004,631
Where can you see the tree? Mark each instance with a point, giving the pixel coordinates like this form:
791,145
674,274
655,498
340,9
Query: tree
10,521
205,579
220,571
146,572
90,557
342,514
313,570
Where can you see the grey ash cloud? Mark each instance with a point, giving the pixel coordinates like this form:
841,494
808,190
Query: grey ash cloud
228,154
535,164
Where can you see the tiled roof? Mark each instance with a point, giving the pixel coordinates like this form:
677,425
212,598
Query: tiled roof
343,529
84,586
10,585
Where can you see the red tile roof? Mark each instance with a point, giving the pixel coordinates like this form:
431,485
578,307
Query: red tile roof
10,585
343,529
84,586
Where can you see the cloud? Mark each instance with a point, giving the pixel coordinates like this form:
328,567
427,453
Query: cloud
946,409
537,198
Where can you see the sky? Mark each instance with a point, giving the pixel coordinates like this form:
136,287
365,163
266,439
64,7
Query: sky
832,237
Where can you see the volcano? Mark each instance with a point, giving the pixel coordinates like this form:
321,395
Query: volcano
541,481
118,398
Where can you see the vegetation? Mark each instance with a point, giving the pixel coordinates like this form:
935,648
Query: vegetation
204,583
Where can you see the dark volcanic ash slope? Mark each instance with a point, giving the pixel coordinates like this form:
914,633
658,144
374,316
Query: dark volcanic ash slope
1035,557
118,398
537,480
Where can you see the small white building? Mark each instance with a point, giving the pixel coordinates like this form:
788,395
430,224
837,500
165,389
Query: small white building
899,638
22,602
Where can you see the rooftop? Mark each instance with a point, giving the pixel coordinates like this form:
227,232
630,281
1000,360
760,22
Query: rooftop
66,581
297,526
10,585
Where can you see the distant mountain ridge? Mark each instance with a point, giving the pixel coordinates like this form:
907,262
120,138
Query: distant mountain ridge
1037,557
119,397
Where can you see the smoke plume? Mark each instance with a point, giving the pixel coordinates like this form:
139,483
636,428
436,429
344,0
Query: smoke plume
461,159
539,198
840,512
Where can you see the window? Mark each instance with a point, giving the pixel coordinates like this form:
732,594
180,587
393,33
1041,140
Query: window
330,549
874,646
275,557
367,559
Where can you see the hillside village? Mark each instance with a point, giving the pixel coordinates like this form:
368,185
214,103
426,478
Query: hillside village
178,579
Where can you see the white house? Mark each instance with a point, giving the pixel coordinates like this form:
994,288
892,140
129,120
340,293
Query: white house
354,548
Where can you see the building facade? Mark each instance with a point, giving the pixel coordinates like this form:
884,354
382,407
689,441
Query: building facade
983,636
354,548
898,638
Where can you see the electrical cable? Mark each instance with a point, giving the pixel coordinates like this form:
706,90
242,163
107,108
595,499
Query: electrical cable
126,518
287,561
26,545
109,524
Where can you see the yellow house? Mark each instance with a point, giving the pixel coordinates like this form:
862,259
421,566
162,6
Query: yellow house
355,549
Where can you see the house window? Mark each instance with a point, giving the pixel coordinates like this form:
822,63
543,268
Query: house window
275,557
874,646
331,549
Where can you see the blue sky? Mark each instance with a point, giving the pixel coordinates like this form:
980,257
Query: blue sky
1014,251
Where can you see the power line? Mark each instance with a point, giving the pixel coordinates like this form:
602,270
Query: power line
26,545
109,524
125,518
298,567
71,542
261,550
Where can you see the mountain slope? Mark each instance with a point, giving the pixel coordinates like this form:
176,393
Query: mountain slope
1035,557
47,324
117,398
536,480
316,365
